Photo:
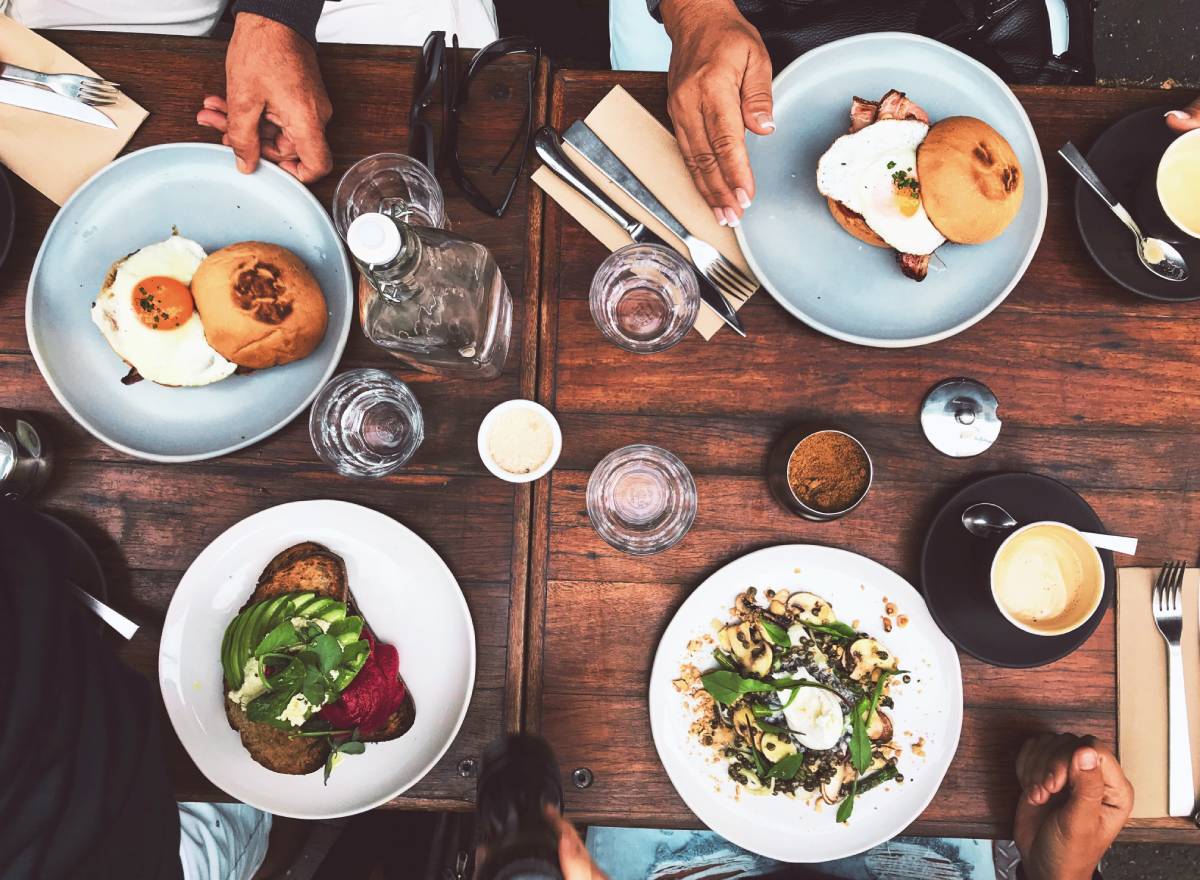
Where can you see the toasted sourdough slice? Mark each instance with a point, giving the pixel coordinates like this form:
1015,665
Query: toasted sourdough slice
308,567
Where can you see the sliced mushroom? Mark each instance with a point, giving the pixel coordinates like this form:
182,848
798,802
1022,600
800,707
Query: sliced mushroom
782,595
869,657
750,649
831,791
811,608
744,724
724,638
745,777
775,748
777,608
879,727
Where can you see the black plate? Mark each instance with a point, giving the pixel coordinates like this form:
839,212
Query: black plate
956,567
1126,159
8,214
82,566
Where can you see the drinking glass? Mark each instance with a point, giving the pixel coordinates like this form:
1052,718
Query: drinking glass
392,184
641,499
644,298
366,423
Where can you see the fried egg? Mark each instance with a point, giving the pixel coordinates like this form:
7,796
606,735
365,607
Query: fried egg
873,173
147,315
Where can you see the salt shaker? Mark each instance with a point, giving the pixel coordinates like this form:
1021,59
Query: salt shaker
24,457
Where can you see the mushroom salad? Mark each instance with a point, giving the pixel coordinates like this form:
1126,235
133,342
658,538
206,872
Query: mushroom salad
799,701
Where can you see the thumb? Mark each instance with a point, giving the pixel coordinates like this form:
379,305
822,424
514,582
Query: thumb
1186,119
757,104
1085,780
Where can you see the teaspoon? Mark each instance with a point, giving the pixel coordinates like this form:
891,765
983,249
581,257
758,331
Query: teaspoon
1156,255
983,520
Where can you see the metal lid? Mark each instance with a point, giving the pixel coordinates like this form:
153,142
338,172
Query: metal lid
959,417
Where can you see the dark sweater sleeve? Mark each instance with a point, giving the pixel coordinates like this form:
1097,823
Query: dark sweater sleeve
653,5
300,15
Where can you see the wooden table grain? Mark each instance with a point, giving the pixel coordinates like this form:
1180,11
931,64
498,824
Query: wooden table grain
1096,390
149,521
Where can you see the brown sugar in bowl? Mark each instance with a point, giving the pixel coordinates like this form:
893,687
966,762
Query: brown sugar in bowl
819,475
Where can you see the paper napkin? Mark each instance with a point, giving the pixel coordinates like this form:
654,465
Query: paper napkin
652,154
1142,687
53,154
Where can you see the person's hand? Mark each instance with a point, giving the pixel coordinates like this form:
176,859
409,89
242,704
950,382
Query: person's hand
574,860
1185,119
720,85
1074,801
276,106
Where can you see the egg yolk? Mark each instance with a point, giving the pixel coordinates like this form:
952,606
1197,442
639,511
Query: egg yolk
162,303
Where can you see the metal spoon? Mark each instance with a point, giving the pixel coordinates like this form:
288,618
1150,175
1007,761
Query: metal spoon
111,616
1156,255
983,520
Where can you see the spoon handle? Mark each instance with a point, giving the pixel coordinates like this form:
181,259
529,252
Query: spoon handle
1081,167
1115,543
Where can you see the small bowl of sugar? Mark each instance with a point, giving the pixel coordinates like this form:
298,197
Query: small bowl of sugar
520,441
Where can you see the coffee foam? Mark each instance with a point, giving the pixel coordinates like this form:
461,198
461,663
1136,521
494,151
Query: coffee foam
1047,579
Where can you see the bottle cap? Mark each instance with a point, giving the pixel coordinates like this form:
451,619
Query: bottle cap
373,239
959,417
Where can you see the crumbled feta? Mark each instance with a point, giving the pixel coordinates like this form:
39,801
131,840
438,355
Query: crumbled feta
297,710
252,684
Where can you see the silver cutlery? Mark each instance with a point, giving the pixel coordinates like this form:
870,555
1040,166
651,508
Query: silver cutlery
1167,605
85,89
546,145
112,617
44,101
1156,255
986,519
725,276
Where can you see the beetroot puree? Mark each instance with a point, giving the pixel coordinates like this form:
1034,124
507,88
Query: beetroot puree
373,696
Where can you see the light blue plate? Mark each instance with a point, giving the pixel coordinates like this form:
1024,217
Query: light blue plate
822,275
129,204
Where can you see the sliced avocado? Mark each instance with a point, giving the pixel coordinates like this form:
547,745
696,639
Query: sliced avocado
226,656
300,601
357,653
278,610
347,630
333,614
246,638
235,663
319,606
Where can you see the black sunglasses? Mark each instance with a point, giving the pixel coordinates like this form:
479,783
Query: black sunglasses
439,64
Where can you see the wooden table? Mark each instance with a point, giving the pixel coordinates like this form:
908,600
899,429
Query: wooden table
149,521
1096,389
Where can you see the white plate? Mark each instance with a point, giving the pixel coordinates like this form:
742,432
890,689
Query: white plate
129,204
835,283
408,597
928,708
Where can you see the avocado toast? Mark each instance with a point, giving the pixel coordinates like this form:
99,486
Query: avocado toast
305,680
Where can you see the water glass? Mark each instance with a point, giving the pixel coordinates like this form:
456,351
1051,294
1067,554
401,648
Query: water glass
641,499
392,184
366,423
644,298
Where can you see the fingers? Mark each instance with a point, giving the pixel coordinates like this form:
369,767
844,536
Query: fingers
573,857
1186,119
1042,766
757,103
727,139
691,130
243,133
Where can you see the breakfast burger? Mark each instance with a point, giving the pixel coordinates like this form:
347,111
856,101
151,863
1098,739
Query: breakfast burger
894,181
260,305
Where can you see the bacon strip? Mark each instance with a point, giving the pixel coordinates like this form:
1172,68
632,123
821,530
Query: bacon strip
915,266
862,113
896,105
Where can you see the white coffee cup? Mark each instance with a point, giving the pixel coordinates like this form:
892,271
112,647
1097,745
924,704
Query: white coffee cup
1178,182
1047,579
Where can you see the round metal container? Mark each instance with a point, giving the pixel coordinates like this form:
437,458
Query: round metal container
24,458
959,417
781,487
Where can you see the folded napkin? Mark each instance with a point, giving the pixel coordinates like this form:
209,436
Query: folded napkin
54,154
653,156
1142,687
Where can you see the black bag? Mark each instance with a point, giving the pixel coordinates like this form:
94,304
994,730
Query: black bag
1012,37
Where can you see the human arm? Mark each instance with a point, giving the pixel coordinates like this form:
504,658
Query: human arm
720,85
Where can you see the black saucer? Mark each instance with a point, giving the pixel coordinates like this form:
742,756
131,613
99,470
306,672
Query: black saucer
956,566
81,564
8,214
1126,158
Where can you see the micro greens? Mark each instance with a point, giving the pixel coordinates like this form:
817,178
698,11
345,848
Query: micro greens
352,746
728,687
775,632
786,768
837,628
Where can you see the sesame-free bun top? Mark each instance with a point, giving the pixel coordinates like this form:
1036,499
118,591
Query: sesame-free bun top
259,305
971,181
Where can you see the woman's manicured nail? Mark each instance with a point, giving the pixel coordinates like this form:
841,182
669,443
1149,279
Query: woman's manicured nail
1177,114
731,217
764,120
719,213
742,197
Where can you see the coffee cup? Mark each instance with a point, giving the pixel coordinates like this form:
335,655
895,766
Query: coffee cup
1047,579
1177,182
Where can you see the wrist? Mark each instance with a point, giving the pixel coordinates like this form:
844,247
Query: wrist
677,14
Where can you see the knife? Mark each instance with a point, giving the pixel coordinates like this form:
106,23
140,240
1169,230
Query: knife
33,98
546,145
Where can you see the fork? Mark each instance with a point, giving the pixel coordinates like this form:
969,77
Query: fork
1166,602
85,89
